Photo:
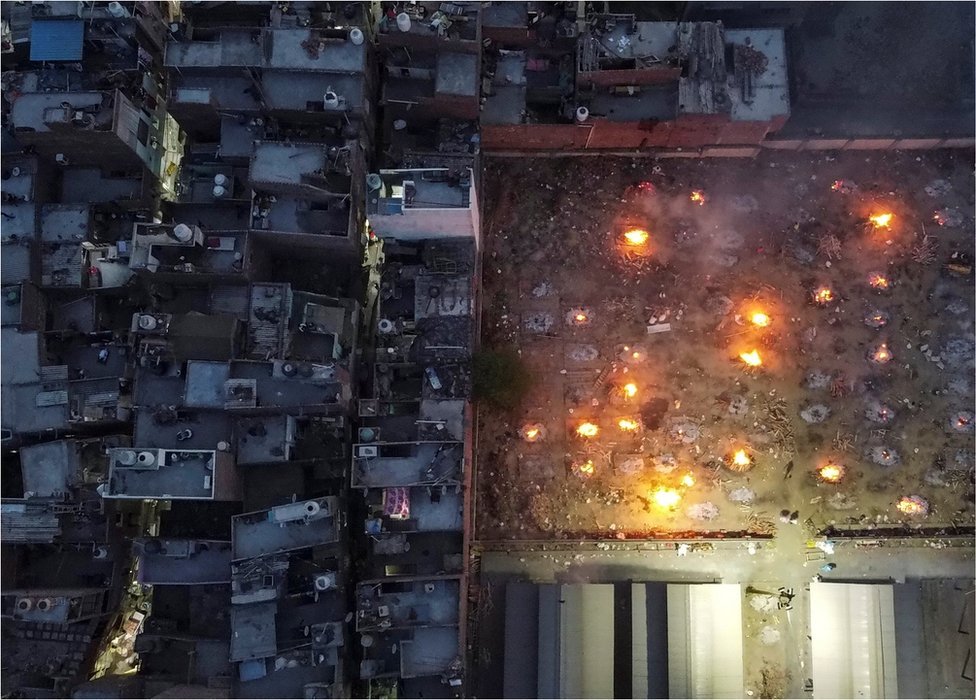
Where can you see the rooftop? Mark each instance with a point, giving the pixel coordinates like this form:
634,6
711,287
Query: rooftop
243,384
159,427
253,631
263,440
161,473
50,468
175,561
415,509
423,188
285,528
407,464
38,111
403,603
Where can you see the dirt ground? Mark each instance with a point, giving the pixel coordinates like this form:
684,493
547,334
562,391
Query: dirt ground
564,286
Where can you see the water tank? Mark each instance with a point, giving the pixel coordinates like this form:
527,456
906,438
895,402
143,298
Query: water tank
24,605
330,99
126,458
116,9
219,191
403,22
220,179
311,509
147,322
146,459
324,582
100,553
582,114
45,604
374,182
399,124
223,446
289,369
356,36
183,233
386,325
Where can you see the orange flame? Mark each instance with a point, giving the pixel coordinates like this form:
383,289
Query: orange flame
823,295
636,236
879,281
630,390
688,480
698,198
909,506
751,358
760,319
741,458
882,354
532,434
580,318
587,430
628,424
831,473
838,184
586,468
882,220
665,497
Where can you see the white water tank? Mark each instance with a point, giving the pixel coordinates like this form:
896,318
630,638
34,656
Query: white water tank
220,179
386,325
146,459
117,10
126,458
183,233
403,22
45,604
330,99
312,509
374,182
24,605
223,446
147,322
219,191
356,36
324,582
582,114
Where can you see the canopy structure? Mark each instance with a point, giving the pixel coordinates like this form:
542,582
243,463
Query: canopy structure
853,631
57,40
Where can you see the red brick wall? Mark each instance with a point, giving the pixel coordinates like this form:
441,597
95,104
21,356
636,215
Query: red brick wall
633,76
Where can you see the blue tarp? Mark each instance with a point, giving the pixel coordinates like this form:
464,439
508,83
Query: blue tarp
57,39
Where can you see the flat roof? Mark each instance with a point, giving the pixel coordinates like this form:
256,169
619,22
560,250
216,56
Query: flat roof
183,561
135,473
286,163
407,464
50,468
253,632
29,108
285,528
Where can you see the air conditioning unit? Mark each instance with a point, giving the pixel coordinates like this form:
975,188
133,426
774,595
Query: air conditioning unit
367,451
383,610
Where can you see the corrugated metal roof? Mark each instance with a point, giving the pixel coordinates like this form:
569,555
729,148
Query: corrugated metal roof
57,39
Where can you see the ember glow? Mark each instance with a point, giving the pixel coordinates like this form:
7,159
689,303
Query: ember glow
831,473
882,220
630,390
882,354
587,430
665,497
751,358
628,424
688,480
823,295
585,469
740,458
580,318
878,281
760,319
698,198
532,432
636,237
913,505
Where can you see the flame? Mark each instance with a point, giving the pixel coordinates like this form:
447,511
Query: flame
636,236
882,220
532,434
630,390
962,422
580,318
911,506
741,458
760,319
939,218
635,355
586,468
688,480
879,281
882,354
628,424
823,295
831,473
587,430
665,497
751,358
837,186
698,198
